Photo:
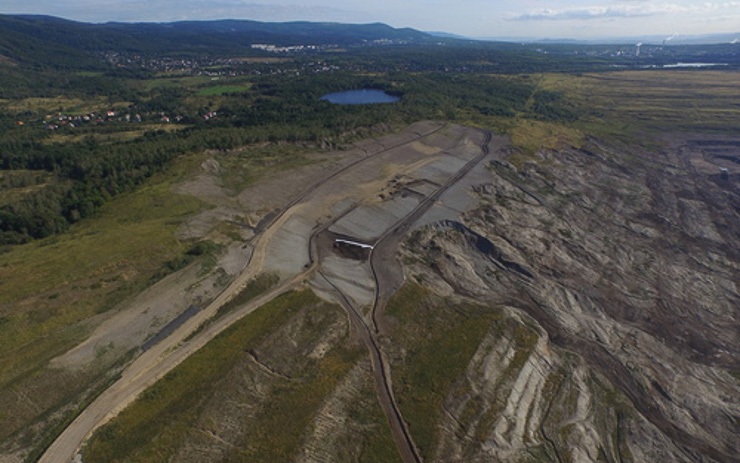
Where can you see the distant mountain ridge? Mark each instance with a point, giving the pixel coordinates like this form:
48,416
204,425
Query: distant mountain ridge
21,33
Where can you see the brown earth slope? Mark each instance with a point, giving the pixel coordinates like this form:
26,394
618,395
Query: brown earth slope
616,270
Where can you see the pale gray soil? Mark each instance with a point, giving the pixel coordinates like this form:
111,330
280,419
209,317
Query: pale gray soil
137,320
352,279
368,222
627,263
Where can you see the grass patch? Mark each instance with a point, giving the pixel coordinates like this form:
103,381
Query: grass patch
379,445
440,338
207,251
53,432
292,406
404,302
259,59
123,134
89,73
200,85
222,90
132,230
102,138
60,104
16,184
166,81
242,168
159,421
619,103
229,230
256,286
531,135
49,286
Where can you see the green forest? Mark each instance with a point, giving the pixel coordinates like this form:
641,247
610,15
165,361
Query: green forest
82,121
89,172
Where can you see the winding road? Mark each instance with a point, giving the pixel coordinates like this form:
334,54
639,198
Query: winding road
386,284
156,362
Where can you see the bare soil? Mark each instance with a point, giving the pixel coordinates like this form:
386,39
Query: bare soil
626,261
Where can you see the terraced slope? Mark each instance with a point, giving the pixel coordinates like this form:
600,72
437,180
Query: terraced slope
615,271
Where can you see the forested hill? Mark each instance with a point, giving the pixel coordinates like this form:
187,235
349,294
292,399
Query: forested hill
21,34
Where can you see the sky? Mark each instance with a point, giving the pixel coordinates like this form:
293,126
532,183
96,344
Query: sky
472,18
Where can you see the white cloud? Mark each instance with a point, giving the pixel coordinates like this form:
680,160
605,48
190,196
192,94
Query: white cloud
628,9
596,12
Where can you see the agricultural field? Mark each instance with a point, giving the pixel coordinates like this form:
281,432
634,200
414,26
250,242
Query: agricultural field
222,90
653,100
59,104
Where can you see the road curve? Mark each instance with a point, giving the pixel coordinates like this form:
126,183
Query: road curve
402,226
381,375
381,369
381,294
163,357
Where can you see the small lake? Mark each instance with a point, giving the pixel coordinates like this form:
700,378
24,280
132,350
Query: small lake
682,65
693,65
365,96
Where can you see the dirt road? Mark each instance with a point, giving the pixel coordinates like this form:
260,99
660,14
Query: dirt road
387,278
309,207
145,371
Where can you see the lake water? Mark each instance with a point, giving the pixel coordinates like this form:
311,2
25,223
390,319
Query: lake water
682,65
366,96
693,65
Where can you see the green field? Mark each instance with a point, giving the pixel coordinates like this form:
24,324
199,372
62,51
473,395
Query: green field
165,81
165,417
50,288
629,101
440,338
200,85
243,167
222,90
109,138
15,184
60,104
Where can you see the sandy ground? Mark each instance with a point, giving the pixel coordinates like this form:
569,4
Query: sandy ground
440,170
355,281
367,223
142,317
289,253
460,198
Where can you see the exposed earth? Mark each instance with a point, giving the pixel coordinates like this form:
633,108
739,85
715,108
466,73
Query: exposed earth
480,305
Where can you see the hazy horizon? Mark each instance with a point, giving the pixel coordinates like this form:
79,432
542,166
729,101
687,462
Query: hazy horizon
576,19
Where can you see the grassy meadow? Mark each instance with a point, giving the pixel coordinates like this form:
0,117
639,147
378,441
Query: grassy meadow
50,288
440,338
166,416
652,100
